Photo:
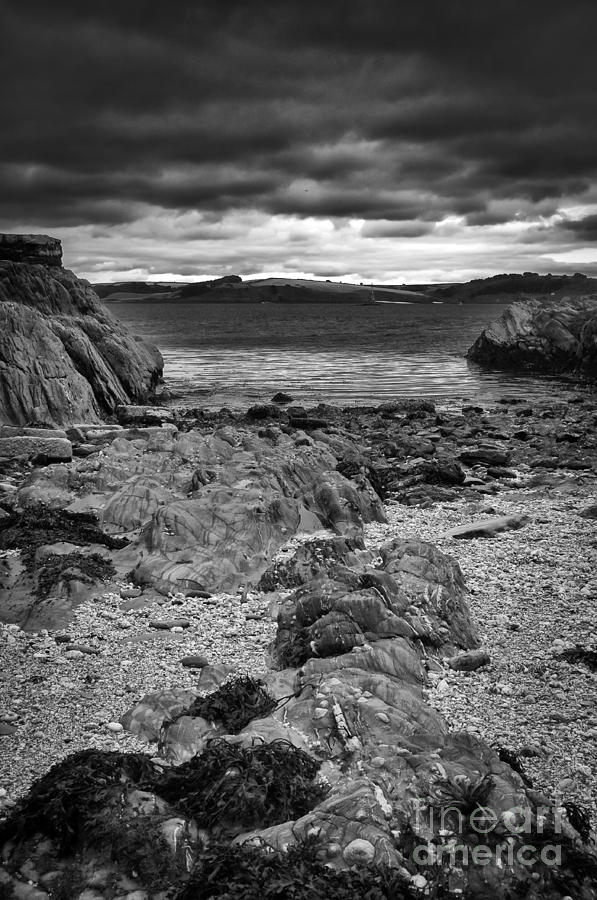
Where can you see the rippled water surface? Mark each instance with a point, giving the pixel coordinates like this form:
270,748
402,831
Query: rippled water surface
234,354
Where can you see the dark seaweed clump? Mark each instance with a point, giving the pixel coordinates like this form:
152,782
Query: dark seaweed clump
463,797
227,785
39,525
243,872
352,467
587,656
79,803
513,760
236,703
293,647
579,864
71,567
580,819
237,788
65,802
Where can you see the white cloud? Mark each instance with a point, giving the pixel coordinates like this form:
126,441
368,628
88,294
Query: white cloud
163,245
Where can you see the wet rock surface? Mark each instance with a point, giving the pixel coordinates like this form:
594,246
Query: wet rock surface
371,617
542,335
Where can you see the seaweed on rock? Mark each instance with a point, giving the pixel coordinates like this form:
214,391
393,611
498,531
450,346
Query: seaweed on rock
295,648
246,872
463,797
513,760
236,788
236,703
69,882
141,851
580,819
577,863
39,525
585,655
59,567
64,802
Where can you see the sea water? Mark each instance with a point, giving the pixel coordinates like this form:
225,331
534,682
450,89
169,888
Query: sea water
225,354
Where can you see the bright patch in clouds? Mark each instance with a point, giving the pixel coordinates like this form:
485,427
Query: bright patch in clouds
582,256
163,247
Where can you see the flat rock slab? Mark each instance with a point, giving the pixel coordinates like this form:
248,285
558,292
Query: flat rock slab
470,660
307,423
590,512
6,729
48,449
143,415
194,662
7,431
83,648
148,635
487,527
142,602
484,456
84,450
92,434
167,624
129,593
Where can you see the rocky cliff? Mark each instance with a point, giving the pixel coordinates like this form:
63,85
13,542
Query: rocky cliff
31,248
63,357
545,336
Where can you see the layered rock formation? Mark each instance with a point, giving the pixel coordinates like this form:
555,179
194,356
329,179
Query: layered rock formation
358,631
63,357
35,249
339,757
196,512
543,336
204,502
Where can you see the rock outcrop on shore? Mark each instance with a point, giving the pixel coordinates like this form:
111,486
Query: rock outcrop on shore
34,249
337,752
337,758
192,511
63,357
203,501
547,336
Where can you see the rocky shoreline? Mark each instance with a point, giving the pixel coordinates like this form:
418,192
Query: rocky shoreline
288,652
518,475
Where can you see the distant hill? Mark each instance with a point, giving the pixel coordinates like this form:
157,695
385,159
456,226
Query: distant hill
232,289
136,288
512,287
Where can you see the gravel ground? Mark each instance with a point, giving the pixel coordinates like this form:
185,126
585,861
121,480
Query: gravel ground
533,592
60,704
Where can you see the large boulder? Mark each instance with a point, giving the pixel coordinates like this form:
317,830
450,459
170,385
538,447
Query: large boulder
43,446
543,336
63,357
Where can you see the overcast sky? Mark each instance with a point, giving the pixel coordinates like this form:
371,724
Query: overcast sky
376,140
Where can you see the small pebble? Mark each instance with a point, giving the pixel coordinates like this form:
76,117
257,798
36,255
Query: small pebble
194,662
115,727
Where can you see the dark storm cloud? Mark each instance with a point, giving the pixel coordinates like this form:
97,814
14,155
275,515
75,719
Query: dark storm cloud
584,229
395,229
380,110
